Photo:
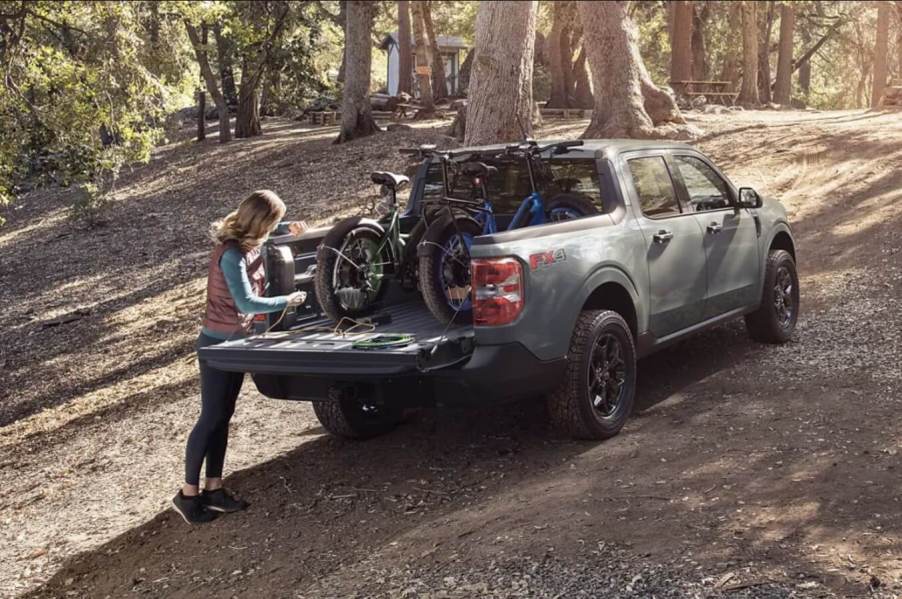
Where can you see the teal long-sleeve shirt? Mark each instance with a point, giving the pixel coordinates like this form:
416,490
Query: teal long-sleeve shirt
234,269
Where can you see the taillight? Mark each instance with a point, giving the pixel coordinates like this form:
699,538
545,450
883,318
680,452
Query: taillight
497,291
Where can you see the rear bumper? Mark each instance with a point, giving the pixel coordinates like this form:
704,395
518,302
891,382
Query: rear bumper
491,374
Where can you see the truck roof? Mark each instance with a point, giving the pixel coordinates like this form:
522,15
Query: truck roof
596,147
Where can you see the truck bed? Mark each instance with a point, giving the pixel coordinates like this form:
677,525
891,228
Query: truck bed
319,349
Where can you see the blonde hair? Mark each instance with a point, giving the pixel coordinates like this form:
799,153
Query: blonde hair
251,223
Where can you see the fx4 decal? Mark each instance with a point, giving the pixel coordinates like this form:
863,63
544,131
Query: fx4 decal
545,259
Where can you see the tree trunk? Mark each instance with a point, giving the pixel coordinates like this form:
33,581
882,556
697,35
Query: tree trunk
500,106
881,54
200,51
748,93
424,60
356,113
343,19
439,84
899,42
466,67
732,57
805,68
582,96
767,27
699,49
247,120
225,52
783,87
558,60
622,86
681,44
405,52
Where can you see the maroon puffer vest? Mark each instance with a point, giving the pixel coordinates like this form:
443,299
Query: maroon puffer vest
222,316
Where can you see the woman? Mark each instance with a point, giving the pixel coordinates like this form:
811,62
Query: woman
235,286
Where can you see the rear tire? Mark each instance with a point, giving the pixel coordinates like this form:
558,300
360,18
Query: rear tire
571,204
599,387
431,276
326,260
776,317
345,415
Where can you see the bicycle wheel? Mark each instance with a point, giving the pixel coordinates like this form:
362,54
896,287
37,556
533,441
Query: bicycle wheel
445,268
569,206
350,265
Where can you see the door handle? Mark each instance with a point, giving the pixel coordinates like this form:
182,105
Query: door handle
714,228
662,236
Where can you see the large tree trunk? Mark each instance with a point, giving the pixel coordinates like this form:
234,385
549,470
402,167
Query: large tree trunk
748,93
424,60
343,22
247,120
356,113
681,44
558,60
623,89
200,51
466,67
405,51
783,87
899,42
805,69
500,106
767,26
699,47
881,53
439,84
582,93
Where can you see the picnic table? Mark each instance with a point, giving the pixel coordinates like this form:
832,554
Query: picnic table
710,89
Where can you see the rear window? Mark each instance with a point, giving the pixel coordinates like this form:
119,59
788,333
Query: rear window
510,186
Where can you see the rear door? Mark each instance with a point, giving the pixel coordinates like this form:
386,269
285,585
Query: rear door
674,248
730,234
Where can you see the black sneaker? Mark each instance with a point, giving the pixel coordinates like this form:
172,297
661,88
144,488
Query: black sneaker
192,509
221,500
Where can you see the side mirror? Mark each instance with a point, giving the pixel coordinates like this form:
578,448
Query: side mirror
749,198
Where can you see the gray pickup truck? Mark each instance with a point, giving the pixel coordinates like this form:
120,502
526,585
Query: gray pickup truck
676,248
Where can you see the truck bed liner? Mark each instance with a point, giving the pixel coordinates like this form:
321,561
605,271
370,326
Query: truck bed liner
317,349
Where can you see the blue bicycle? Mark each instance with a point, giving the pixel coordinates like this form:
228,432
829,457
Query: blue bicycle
444,253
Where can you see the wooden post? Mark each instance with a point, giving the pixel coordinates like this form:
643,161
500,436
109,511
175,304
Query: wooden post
201,115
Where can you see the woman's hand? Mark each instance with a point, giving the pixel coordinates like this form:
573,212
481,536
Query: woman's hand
296,299
297,227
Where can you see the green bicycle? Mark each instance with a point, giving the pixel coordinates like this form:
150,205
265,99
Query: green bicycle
359,254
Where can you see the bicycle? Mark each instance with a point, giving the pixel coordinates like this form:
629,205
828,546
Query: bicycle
358,255
444,254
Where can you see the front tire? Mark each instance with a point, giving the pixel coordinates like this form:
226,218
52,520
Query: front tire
346,415
599,387
776,317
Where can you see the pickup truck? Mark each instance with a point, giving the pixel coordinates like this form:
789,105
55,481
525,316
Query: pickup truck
562,310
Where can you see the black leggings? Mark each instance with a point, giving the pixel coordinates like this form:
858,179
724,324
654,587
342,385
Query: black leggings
210,436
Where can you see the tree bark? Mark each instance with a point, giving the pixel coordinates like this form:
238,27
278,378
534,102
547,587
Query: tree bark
557,56
356,113
466,67
804,68
623,89
200,51
767,26
500,106
439,84
899,42
783,87
699,47
881,54
405,51
582,94
343,23
424,60
748,93
681,44
732,58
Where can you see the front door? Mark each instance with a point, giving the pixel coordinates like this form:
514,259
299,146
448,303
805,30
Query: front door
731,235
674,249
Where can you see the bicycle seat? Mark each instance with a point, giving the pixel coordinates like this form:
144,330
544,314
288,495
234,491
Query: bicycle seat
478,169
388,179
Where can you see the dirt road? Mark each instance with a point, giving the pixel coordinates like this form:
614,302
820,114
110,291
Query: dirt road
748,470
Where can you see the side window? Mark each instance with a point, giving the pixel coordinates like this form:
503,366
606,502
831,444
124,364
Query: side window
652,181
707,191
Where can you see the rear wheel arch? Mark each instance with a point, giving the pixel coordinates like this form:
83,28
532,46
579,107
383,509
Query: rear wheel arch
614,296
